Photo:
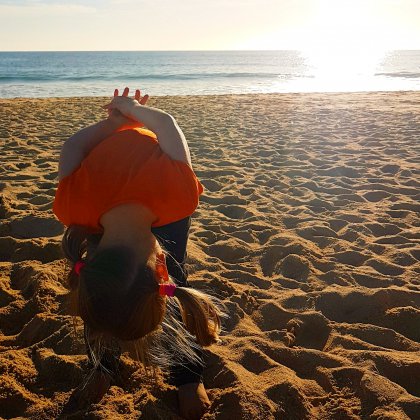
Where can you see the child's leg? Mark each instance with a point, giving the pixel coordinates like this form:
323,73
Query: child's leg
173,238
186,375
98,377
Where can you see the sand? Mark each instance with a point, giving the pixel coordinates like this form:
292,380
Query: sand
308,231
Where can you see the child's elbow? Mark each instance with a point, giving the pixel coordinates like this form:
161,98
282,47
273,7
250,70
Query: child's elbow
167,121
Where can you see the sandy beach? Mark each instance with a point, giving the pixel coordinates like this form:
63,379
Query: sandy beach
308,230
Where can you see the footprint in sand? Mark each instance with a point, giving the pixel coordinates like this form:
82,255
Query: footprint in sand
211,185
40,200
375,196
352,257
291,400
309,329
219,373
390,169
385,267
256,361
12,249
294,267
230,251
378,336
391,308
33,226
234,212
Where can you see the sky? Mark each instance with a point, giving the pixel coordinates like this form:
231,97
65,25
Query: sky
108,25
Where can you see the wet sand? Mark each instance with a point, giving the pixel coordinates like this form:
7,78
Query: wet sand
308,230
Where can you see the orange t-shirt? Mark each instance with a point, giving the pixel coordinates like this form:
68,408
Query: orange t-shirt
127,167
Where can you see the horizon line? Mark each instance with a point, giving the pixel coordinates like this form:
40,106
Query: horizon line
216,50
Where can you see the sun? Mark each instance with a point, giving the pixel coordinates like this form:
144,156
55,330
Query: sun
343,45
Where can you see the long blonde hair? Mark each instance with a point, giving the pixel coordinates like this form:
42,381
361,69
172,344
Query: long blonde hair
119,300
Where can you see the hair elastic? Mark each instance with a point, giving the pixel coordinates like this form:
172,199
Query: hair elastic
161,268
78,266
167,289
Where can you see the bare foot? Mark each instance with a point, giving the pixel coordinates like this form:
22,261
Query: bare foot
90,391
193,401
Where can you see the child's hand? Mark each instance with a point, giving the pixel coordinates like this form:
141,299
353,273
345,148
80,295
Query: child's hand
119,109
121,122
124,104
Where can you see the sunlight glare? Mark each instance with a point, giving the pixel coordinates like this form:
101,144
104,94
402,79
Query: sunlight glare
343,46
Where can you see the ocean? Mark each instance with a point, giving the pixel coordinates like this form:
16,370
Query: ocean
159,73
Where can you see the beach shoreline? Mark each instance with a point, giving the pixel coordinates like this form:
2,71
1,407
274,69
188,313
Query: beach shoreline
308,230
164,96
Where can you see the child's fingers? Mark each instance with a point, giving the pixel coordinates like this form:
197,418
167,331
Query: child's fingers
137,95
144,99
126,90
115,92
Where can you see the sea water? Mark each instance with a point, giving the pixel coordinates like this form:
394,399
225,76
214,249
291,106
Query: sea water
66,74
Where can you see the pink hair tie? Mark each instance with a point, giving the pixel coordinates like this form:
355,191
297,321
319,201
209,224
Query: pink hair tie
78,266
167,290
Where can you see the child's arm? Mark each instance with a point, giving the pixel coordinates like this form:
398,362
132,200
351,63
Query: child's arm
78,146
171,138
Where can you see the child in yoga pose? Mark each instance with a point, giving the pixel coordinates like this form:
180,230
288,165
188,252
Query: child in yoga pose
126,195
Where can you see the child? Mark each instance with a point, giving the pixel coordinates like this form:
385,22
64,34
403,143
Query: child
126,195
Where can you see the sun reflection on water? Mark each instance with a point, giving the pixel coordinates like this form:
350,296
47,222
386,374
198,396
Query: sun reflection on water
336,71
